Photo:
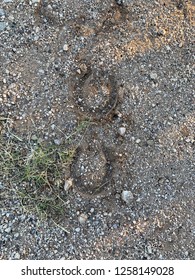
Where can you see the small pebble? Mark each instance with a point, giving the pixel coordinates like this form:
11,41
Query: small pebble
161,181
68,184
79,71
83,68
8,230
181,45
34,137
150,142
57,142
127,196
16,256
122,131
65,47
53,126
77,229
138,141
168,48
153,76
41,72
82,218
115,226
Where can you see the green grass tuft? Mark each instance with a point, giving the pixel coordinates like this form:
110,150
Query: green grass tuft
38,170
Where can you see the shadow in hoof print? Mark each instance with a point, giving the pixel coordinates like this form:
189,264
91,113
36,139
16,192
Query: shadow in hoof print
92,169
95,94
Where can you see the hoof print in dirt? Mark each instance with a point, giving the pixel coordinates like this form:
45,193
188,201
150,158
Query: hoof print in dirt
92,170
95,94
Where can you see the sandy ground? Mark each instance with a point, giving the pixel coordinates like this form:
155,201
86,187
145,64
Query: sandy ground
127,68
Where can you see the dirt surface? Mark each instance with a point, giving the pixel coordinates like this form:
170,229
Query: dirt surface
125,68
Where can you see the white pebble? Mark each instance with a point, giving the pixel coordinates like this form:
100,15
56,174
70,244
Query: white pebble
16,256
122,131
8,230
65,47
127,196
153,76
77,229
57,142
82,218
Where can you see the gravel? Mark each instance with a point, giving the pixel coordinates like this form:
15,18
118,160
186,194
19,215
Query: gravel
132,65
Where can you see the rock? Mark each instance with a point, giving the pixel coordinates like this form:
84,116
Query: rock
150,142
122,131
34,137
127,196
168,48
137,141
41,72
77,229
16,256
2,26
53,126
57,142
82,218
8,230
65,47
79,71
68,184
149,249
83,68
153,75
186,253
161,181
